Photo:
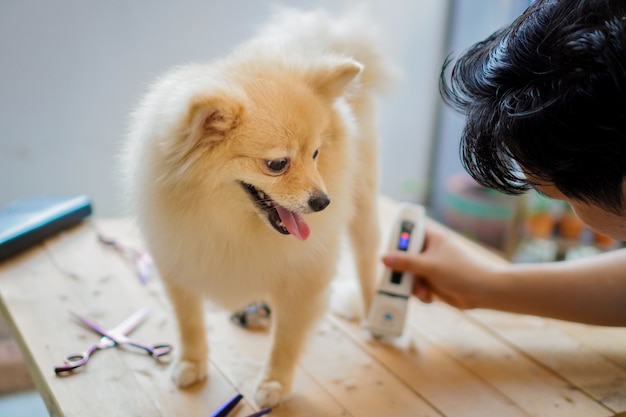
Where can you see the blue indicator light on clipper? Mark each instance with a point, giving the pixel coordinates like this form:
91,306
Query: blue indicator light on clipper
405,234
403,244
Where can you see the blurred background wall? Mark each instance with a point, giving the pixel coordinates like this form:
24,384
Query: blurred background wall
72,70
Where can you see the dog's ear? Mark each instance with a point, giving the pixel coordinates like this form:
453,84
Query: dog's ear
335,77
207,122
210,118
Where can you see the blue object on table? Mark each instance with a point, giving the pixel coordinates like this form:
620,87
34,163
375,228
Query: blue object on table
229,405
25,223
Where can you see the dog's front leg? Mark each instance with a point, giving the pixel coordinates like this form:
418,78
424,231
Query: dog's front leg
192,362
293,318
365,237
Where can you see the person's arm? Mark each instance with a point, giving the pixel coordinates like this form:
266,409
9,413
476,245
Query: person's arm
465,275
590,290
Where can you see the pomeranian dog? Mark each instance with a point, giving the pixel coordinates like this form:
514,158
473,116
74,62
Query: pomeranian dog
245,173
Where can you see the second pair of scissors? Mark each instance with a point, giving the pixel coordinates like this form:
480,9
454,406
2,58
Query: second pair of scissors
110,338
229,405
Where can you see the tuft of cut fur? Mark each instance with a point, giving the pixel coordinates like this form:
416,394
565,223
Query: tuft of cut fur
245,172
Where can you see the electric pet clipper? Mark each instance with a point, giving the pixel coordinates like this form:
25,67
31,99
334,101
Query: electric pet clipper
390,304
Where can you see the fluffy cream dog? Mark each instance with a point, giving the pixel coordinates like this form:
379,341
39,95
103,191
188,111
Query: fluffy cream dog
245,173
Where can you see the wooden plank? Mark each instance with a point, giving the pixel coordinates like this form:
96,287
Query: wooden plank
76,273
610,342
547,344
434,375
360,383
38,316
532,387
240,354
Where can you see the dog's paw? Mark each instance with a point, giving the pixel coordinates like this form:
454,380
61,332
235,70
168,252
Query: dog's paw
270,394
345,300
186,373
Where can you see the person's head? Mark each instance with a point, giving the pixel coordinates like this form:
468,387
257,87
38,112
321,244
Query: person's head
545,101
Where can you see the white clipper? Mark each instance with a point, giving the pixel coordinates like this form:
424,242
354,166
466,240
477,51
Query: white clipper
389,307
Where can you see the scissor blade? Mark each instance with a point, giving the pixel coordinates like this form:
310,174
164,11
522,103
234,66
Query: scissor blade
130,323
124,327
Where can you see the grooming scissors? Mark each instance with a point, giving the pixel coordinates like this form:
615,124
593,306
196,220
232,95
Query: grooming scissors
110,338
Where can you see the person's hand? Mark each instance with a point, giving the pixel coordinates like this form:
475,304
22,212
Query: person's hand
450,268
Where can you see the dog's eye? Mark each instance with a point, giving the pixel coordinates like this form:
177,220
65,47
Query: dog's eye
277,166
317,152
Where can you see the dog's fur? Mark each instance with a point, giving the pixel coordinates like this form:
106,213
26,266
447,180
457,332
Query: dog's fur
290,113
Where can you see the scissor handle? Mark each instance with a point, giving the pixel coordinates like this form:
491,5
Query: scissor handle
261,413
75,360
228,406
154,350
159,350
72,361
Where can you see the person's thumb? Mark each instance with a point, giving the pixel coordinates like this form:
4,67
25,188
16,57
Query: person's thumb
403,262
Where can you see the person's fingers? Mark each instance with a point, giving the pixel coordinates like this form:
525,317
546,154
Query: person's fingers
422,291
403,262
410,263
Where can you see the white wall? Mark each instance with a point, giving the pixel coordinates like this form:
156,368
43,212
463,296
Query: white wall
71,70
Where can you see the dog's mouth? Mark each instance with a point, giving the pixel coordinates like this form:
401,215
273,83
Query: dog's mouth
283,220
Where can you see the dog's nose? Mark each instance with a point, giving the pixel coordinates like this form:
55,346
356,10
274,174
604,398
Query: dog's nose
319,203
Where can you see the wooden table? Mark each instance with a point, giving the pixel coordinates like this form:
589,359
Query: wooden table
478,363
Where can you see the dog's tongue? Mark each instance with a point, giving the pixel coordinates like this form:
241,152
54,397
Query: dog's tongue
294,223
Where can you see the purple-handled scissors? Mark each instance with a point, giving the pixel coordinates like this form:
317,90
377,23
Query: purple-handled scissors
229,405
120,338
76,360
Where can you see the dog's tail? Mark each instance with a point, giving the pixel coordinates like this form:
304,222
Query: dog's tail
353,35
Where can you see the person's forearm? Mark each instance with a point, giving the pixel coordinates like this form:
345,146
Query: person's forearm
591,290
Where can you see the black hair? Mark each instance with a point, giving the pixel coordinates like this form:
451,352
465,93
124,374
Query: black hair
547,94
